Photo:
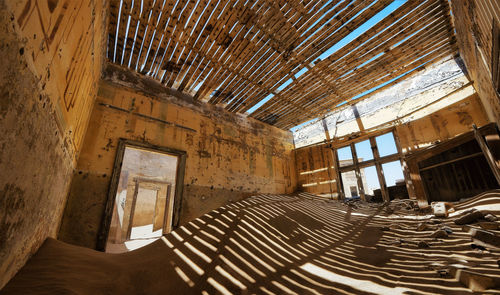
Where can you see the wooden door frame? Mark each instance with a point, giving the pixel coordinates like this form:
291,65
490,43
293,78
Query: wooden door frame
138,181
115,178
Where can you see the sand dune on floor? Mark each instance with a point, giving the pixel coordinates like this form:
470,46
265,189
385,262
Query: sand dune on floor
285,244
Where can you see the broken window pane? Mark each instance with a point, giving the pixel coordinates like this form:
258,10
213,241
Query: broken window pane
386,144
364,151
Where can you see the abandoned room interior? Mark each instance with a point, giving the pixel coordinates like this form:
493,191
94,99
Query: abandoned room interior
250,147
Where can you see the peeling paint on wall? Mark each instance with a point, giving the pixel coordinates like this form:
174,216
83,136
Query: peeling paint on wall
51,59
229,157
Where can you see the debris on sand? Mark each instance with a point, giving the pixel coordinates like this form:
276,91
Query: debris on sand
469,218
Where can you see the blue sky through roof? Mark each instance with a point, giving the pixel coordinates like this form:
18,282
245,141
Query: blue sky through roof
350,37
260,103
295,128
363,28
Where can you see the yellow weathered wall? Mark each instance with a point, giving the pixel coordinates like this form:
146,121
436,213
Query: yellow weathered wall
444,124
473,23
65,40
228,156
51,55
313,173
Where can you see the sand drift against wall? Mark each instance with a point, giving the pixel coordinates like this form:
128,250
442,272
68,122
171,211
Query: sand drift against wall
279,244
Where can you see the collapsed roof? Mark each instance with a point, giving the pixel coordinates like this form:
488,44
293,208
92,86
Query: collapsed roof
283,62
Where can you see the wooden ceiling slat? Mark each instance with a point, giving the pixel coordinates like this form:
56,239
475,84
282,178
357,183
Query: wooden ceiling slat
143,20
387,39
352,9
306,56
186,25
196,24
122,26
204,40
175,30
129,40
238,52
269,64
356,90
250,69
163,16
216,80
231,54
152,31
337,56
373,80
171,33
210,47
162,38
114,14
434,57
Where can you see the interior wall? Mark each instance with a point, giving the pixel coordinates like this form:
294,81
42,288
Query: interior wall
312,162
51,54
442,125
313,173
473,22
229,156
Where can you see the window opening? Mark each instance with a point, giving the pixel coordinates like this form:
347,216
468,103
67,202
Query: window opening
345,156
386,144
364,150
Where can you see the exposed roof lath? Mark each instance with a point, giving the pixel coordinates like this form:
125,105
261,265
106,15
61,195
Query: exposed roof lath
239,53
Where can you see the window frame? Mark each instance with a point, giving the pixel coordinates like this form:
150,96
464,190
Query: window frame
377,161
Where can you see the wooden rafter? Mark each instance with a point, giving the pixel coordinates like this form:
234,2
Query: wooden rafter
237,52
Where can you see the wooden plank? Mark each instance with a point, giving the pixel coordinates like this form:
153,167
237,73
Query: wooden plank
385,61
358,172
487,154
404,165
380,172
313,112
245,50
114,16
340,188
451,161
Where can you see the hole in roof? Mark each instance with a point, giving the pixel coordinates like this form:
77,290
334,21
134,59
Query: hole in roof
362,28
301,72
117,30
295,128
260,103
347,39
288,82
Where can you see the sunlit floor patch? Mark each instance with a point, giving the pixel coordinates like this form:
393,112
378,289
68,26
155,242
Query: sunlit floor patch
361,285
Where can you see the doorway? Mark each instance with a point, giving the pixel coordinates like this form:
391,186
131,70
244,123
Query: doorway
144,196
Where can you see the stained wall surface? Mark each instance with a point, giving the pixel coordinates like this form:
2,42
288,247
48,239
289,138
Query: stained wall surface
442,125
229,156
474,21
65,40
51,55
